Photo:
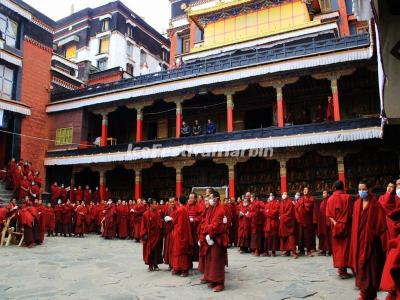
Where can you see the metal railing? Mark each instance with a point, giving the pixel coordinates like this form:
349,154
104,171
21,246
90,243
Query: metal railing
231,61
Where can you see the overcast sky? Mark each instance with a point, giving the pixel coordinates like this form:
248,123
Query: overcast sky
155,12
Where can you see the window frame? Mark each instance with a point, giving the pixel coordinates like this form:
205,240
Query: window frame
12,82
100,44
100,61
104,22
5,35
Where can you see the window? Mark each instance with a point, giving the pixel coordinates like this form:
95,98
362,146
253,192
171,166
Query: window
70,51
104,45
6,82
102,64
129,30
64,136
129,68
143,57
9,30
185,44
129,49
105,25
326,5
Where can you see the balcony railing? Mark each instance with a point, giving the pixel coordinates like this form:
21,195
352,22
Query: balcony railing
204,66
225,136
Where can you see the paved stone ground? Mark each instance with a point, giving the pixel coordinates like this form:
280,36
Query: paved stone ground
93,268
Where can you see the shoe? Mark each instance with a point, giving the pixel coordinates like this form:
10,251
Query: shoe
203,281
150,269
219,288
156,268
273,254
184,274
211,285
344,276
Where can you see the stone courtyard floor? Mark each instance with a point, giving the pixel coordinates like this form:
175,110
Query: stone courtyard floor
93,268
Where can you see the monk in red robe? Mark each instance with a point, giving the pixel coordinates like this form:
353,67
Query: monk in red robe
216,235
368,242
79,194
17,178
304,215
63,193
138,215
151,236
182,242
34,191
122,220
330,116
287,222
391,283
41,209
257,226
233,227
324,227
168,231
339,209
11,166
24,188
96,195
131,205
87,195
110,226
55,193
80,220
194,218
271,228
50,220
203,246
26,220
244,231
67,218
59,211
388,203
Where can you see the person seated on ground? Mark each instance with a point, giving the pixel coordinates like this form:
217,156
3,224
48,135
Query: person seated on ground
185,129
319,115
197,130
329,110
290,119
211,128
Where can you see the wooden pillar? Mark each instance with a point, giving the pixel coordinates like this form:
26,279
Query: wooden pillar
102,185
231,176
284,187
343,21
335,96
138,183
178,118
341,172
229,112
178,170
279,105
104,129
139,124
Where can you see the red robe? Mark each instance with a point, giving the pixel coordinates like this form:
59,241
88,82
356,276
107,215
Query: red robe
244,231
339,207
35,192
287,225
78,195
96,196
390,281
202,240
67,218
138,215
330,111
50,219
304,216
110,225
63,195
26,220
233,228
168,235
389,203
80,219
41,221
368,244
324,228
151,235
55,194
271,228
87,196
131,222
216,257
194,213
122,221
182,248
24,188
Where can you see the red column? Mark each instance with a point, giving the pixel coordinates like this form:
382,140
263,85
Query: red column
104,127
343,21
102,187
178,118
138,184
284,187
178,182
232,185
279,106
335,96
139,125
229,112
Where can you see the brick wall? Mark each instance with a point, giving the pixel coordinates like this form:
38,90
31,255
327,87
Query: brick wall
35,94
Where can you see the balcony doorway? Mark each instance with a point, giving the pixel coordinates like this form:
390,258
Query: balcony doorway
258,118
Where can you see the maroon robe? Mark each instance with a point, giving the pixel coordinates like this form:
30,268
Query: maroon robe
304,216
339,207
80,219
324,228
271,228
194,213
216,257
244,231
138,215
122,221
287,225
168,235
182,247
257,225
151,235
368,244
110,222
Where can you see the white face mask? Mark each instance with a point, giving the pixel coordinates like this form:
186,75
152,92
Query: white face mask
211,202
398,192
245,203
284,197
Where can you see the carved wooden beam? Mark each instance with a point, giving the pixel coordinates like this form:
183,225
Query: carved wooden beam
332,75
278,83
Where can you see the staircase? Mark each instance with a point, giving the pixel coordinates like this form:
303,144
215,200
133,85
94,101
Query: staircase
5,195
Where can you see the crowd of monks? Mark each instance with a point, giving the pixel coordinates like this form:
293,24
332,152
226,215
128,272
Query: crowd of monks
362,232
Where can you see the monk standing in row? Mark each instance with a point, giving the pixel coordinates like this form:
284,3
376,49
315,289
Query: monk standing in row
287,226
182,242
368,242
304,216
168,232
151,236
323,227
244,230
339,209
194,218
271,228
